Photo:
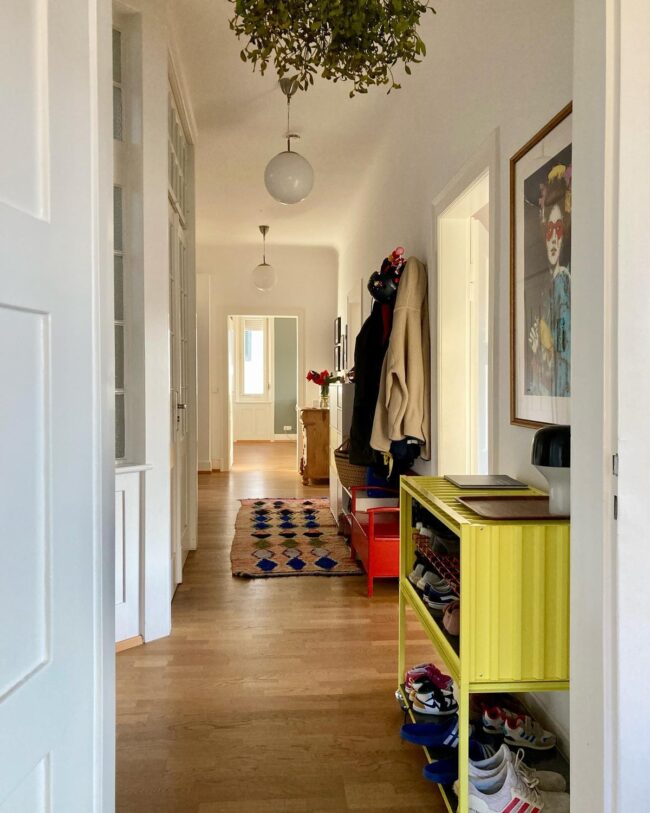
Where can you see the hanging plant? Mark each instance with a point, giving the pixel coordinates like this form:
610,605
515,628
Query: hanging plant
361,42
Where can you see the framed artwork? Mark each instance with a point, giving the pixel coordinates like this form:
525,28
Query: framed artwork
337,358
337,330
540,276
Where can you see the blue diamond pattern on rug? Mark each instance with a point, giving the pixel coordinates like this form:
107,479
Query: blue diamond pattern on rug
266,565
325,562
276,537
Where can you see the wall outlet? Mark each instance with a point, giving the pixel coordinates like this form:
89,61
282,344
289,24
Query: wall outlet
288,428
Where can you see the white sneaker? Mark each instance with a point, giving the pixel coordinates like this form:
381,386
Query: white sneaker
545,780
524,732
416,574
439,584
510,791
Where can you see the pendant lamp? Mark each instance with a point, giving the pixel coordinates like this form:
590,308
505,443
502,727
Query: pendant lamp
264,274
289,177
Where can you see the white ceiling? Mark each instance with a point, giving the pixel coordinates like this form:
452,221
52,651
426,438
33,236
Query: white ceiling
241,121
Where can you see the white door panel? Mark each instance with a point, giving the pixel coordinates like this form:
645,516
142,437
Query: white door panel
51,464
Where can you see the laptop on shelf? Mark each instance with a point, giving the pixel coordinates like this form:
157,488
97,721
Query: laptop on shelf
484,481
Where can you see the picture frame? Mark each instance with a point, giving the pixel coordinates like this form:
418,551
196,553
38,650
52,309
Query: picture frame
337,330
540,276
337,358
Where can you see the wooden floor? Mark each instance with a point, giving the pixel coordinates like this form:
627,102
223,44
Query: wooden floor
271,695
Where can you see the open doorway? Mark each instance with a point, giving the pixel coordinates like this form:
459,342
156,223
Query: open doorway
262,391
463,249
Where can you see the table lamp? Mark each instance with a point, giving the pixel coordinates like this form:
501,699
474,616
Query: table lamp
551,456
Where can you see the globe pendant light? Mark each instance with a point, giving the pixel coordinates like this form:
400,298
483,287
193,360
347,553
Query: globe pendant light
289,177
264,274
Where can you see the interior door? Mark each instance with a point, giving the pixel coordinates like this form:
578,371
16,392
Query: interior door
56,624
179,392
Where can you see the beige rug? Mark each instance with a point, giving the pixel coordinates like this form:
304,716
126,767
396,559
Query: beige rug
289,537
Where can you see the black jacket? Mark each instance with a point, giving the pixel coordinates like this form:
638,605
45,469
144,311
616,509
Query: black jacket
369,351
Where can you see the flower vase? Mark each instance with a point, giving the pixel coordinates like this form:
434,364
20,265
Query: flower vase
324,398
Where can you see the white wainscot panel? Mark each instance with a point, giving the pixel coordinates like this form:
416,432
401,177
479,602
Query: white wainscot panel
24,126
24,484
32,794
127,554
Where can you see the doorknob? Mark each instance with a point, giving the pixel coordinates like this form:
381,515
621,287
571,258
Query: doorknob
181,406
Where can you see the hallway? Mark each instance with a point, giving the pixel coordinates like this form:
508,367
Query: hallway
271,695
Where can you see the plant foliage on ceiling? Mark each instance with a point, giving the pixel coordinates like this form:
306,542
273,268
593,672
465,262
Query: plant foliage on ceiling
360,41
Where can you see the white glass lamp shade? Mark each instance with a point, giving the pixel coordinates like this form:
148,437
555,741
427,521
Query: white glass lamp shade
289,177
264,277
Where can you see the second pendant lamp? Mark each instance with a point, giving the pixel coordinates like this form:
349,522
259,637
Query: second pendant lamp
264,273
289,177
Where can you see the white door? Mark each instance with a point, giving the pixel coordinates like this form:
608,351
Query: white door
463,331
178,336
56,502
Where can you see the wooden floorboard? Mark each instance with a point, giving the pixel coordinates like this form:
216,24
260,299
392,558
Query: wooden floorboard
271,695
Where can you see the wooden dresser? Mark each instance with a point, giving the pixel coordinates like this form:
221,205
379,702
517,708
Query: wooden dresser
315,444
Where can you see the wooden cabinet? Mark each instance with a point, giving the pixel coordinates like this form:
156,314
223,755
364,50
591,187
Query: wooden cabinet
315,444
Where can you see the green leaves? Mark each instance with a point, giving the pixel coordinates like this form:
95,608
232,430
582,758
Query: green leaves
343,40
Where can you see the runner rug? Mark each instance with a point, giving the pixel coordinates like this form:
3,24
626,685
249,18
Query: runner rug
289,537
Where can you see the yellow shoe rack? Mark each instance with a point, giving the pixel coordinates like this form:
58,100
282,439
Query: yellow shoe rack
514,595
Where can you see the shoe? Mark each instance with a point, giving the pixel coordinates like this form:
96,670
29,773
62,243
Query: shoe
511,791
436,702
434,581
524,732
438,602
494,721
519,730
445,771
544,780
424,672
416,574
433,735
451,618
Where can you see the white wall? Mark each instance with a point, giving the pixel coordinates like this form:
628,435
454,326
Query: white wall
152,364
306,287
203,350
490,65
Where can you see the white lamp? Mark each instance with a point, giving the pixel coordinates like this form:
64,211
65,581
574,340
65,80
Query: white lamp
289,177
264,274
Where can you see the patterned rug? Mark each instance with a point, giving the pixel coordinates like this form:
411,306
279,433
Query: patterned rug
290,537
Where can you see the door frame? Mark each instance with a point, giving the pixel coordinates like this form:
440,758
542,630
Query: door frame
223,417
486,158
101,115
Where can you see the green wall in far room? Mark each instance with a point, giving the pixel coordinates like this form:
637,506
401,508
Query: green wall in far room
285,363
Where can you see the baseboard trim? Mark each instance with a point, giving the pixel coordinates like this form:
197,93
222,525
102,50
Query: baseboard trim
205,465
129,643
285,437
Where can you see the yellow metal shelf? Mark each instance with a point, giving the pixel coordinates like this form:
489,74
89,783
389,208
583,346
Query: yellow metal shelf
433,631
514,596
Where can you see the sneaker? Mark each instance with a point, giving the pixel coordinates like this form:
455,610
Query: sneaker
436,702
434,735
494,720
438,602
445,771
433,581
545,780
424,672
416,574
524,732
510,791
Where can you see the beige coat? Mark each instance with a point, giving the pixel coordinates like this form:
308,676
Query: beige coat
404,403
